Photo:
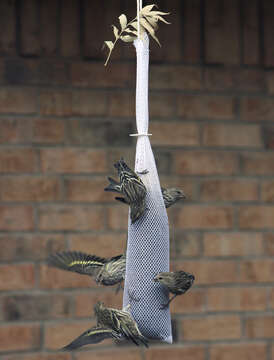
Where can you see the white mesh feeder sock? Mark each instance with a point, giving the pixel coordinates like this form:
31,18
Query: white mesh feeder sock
148,237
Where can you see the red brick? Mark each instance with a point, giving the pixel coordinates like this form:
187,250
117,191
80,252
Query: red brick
180,134
56,103
61,334
271,299
210,272
270,82
205,163
268,137
244,351
232,244
251,30
48,131
70,28
39,356
29,246
206,107
175,77
187,244
268,13
192,302
192,31
105,245
257,271
257,109
232,135
15,131
117,217
17,160
229,190
258,163
78,217
256,217
215,327
19,337
176,353
51,278
204,217
29,32
237,299
260,327
231,79
87,190
48,29
73,160
8,27
111,354
17,101
86,103
29,189
269,244
84,302
16,217
268,191
121,104
17,277
162,105
95,75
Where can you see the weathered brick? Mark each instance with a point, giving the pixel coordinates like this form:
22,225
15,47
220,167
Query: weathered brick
203,217
234,79
77,217
268,137
84,302
205,163
217,327
22,71
254,271
73,160
257,109
60,334
26,188
256,217
117,217
210,272
243,351
162,105
17,160
260,327
268,191
205,107
86,103
87,190
48,131
100,132
269,243
232,135
232,244
121,104
17,277
237,299
17,101
35,307
229,190
19,337
111,354
186,244
105,245
175,77
174,133
51,278
30,246
192,302
56,103
176,353
15,130
16,217
258,163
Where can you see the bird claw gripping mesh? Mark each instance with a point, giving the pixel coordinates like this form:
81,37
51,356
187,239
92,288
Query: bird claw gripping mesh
148,237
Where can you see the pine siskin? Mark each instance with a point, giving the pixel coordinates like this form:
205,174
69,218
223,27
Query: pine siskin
177,282
105,271
131,187
111,323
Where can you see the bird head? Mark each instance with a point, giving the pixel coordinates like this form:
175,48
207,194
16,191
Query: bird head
161,277
177,193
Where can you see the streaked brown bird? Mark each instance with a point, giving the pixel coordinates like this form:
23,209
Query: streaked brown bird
177,282
111,323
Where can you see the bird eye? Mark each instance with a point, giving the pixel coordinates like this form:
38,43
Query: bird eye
160,278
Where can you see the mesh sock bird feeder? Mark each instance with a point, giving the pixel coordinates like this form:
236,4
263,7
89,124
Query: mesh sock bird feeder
148,237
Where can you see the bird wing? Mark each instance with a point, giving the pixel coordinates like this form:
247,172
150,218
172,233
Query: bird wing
113,186
77,261
92,336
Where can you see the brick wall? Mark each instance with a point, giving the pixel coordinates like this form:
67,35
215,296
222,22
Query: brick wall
64,118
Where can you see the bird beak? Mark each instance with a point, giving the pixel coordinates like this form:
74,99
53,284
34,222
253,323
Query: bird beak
155,279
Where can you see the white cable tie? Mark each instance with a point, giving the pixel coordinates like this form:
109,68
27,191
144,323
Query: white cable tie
140,134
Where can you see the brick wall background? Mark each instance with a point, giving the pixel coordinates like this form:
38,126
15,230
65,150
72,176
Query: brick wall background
64,118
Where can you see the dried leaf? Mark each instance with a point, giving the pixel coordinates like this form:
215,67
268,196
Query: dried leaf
131,31
109,44
134,24
145,10
115,31
123,21
163,20
156,13
147,26
128,38
153,22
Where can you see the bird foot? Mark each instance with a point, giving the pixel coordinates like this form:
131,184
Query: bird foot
144,172
164,306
